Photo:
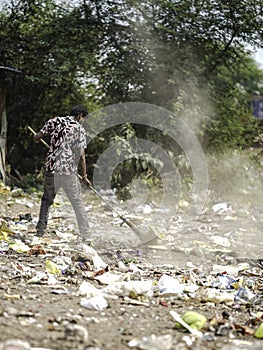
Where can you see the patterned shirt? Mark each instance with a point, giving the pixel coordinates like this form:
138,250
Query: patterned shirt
67,139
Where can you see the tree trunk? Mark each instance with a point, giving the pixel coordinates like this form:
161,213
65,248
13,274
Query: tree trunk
3,127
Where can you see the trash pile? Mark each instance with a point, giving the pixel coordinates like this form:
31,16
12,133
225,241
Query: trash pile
194,307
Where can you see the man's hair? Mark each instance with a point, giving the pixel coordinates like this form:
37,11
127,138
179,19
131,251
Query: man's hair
78,110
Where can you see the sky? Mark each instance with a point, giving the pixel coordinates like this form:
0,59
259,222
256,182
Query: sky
258,56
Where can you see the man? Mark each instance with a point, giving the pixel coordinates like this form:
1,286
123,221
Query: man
66,154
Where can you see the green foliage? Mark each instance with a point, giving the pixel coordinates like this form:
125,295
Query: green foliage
229,130
134,164
49,45
232,125
32,184
187,56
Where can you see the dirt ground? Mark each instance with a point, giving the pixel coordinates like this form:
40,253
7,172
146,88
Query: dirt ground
51,317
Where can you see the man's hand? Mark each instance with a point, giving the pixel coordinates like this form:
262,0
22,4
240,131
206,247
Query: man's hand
86,180
38,137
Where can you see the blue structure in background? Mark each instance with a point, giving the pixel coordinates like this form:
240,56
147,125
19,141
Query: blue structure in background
257,108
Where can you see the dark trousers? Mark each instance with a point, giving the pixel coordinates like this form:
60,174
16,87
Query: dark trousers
71,185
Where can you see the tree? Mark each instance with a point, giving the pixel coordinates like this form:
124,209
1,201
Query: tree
153,47
170,53
50,45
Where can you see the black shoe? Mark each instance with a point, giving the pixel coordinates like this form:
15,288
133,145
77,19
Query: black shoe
39,234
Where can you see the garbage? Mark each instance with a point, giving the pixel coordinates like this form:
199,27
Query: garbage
134,299
62,262
180,321
183,204
146,209
168,284
12,296
17,192
15,344
259,331
108,278
25,203
217,296
56,284
92,254
224,282
98,263
221,208
19,246
97,302
229,269
41,275
126,287
77,332
122,267
60,291
243,329
244,295
37,250
189,340
4,246
88,290
222,241
153,342
191,320
194,319
26,217
51,281
5,230
223,329
52,268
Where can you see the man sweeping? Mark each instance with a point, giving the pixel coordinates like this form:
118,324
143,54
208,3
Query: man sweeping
65,157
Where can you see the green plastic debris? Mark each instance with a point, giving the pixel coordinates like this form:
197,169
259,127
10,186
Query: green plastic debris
19,247
259,331
5,231
52,268
193,319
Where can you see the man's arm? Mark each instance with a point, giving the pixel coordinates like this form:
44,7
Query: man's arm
49,126
83,168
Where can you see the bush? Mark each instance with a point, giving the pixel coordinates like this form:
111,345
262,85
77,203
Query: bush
232,125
